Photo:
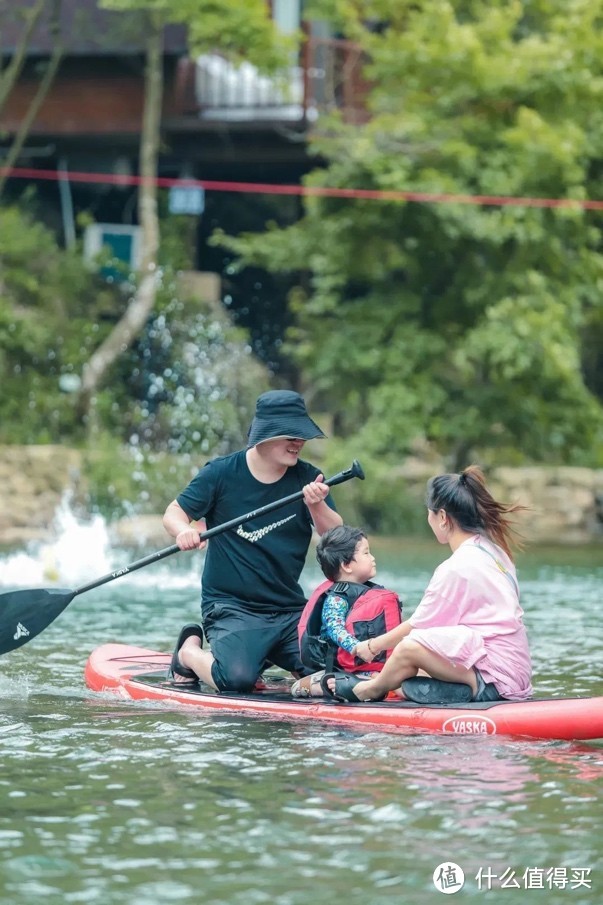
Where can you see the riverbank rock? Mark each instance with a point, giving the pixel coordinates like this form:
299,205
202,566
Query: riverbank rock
565,505
140,531
33,482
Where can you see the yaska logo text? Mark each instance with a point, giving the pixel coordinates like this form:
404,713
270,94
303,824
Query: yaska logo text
469,724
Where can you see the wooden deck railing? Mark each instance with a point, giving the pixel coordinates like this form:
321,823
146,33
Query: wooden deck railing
334,80
329,77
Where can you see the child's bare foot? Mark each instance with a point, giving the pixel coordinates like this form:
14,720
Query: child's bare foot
309,686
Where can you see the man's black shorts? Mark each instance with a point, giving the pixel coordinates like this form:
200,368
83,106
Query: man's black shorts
242,642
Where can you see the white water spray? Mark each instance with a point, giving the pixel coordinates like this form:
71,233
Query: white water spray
80,552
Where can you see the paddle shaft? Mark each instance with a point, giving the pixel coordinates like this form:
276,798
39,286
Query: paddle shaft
355,471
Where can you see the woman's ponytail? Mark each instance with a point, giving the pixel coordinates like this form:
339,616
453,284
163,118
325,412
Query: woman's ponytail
467,500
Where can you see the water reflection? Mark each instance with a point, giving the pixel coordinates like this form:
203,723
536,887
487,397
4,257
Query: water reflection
109,802
157,803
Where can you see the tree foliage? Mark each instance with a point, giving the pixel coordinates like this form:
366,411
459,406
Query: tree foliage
471,324
48,326
240,29
233,28
187,384
151,367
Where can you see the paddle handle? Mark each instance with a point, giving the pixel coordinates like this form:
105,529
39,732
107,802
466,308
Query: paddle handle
355,471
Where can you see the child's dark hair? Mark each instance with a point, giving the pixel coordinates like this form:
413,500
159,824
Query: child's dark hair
466,499
336,547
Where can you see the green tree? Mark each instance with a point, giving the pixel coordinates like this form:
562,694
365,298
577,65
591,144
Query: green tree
236,28
464,323
50,308
187,385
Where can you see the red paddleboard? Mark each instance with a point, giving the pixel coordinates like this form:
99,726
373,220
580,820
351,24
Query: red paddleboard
140,675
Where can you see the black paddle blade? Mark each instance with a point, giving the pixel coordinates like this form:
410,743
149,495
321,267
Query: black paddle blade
24,614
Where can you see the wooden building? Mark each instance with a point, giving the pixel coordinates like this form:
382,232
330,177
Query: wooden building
219,121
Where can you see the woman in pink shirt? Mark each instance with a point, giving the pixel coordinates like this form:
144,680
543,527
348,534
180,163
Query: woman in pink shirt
466,640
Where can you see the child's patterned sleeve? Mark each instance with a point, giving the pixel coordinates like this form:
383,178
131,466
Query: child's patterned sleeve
334,612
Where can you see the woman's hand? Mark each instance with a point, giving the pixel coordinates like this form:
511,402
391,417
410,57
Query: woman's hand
363,652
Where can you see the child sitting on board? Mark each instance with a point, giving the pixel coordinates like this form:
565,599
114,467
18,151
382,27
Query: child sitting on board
344,612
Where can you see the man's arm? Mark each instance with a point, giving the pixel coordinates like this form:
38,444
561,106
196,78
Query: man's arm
177,523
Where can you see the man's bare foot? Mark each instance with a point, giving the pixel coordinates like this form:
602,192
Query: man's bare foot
190,638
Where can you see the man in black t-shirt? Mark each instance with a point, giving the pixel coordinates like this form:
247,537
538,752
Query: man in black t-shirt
251,597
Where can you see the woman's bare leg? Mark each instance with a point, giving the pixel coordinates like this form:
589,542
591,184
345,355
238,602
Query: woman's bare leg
406,659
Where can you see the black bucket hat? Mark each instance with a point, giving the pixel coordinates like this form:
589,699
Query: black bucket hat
281,413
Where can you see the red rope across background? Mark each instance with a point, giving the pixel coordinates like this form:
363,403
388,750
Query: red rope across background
307,191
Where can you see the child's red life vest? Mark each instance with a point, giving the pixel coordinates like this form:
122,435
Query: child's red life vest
373,611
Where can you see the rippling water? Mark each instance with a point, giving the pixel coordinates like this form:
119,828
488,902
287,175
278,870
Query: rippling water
105,801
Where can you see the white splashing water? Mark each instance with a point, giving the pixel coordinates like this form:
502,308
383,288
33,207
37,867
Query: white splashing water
79,552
